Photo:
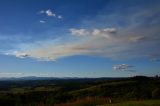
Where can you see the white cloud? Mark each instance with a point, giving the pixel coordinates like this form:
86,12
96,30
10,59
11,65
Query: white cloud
79,32
122,67
50,13
42,21
106,32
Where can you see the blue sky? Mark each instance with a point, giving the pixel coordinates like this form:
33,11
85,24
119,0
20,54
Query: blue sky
79,38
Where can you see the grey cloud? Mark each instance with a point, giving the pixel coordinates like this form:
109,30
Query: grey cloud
21,55
17,54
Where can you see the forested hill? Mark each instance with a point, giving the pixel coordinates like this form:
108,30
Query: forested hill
65,90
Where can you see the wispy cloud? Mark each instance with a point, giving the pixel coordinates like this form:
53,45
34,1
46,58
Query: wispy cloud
137,38
42,21
99,42
155,57
59,16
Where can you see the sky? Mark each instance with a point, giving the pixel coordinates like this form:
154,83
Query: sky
79,38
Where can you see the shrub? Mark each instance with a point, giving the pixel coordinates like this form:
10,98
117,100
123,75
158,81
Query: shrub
156,93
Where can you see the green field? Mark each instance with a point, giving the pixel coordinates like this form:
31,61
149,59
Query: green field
137,103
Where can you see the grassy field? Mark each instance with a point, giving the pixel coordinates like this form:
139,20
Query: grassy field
102,102
136,103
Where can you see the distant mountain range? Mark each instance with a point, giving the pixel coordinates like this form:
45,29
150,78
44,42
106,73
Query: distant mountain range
51,78
28,78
